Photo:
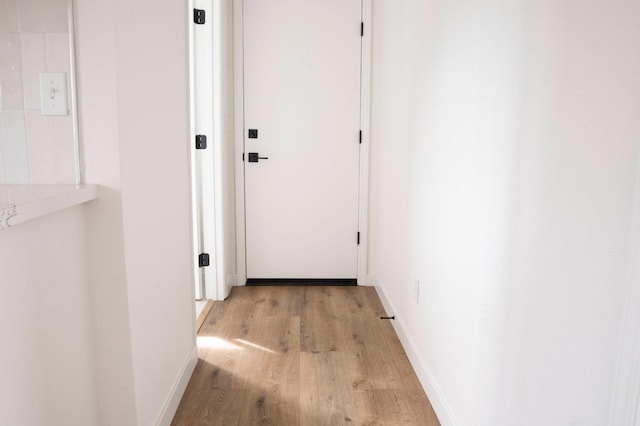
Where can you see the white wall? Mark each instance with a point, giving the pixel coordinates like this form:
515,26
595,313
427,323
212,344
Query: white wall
153,129
46,360
98,129
133,97
505,139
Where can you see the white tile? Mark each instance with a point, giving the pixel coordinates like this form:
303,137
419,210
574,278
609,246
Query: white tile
33,63
56,17
40,149
31,14
11,95
9,16
14,137
58,57
63,149
57,53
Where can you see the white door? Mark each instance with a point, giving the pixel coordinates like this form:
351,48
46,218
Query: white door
302,96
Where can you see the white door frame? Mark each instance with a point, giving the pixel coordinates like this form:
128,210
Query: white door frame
205,87
365,102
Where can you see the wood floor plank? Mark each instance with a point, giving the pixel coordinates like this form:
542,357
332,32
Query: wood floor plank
325,392
409,379
320,327
356,302
371,295
208,396
422,409
371,362
301,356
391,407
278,371
203,314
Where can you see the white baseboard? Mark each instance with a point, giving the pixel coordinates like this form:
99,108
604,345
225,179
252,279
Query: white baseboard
431,388
170,406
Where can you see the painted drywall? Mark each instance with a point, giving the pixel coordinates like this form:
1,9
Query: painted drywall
133,91
153,130
46,360
98,131
504,148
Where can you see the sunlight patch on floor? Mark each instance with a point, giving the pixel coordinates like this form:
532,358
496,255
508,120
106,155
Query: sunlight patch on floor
253,345
212,342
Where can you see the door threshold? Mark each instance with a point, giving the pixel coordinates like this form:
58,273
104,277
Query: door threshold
301,282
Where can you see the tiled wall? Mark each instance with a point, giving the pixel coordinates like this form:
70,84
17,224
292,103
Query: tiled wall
34,38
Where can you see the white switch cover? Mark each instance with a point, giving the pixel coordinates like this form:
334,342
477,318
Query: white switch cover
53,93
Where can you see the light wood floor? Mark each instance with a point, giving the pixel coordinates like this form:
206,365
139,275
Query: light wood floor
302,356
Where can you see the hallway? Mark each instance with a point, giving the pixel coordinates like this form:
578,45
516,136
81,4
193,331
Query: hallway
500,219
302,356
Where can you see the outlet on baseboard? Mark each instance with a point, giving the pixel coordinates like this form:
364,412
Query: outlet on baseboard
416,290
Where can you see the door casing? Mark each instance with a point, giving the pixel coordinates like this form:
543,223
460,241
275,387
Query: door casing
363,201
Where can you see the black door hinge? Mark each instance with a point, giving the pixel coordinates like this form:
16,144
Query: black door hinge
358,238
201,142
203,260
361,29
360,136
198,16
243,157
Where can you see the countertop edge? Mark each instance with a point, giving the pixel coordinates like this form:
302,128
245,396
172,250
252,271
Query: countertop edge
12,214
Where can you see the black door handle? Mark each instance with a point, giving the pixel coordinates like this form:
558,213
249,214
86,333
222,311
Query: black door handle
254,157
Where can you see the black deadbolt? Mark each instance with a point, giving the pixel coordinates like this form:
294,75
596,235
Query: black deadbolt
253,133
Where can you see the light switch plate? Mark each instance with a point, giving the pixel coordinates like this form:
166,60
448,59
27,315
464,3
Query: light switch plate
53,93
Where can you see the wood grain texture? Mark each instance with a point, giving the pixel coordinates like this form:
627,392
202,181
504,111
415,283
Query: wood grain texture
203,314
302,356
